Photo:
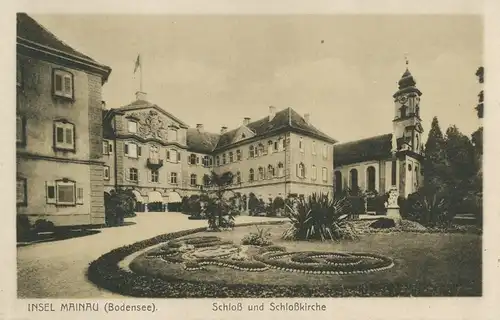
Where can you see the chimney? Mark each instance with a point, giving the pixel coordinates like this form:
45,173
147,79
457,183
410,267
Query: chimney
141,95
103,104
246,121
307,118
223,130
272,112
199,126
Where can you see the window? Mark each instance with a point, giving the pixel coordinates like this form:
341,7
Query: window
21,192
192,158
231,157
238,177
338,181
206,180
63,84
217,160
370,176
66,192
178,155
63,192
251,152
172,134
409,167
243,136
324,173
210,161
314,148
238,155
416,176
168,155
280,169
155,176
223,158
270,171
314,173
261,174
107,147
154,153
132,150
132,126
173,177
260,149
301,145
64,134
284,144
270,147
301,170
403,111
251,175
19,73
275,147
206,161
193,180
325,152
354,179
197,160
20,130
106,173
133,174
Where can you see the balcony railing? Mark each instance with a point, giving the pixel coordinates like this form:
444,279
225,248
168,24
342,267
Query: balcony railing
154,163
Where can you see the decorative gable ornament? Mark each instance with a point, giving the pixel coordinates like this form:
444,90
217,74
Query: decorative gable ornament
150,125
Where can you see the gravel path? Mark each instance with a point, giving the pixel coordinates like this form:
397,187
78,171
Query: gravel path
57,269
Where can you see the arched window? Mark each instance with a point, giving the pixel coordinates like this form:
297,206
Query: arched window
238,155
313,147
301,170
403,111
251,176
280,169
270,147
338,181
231,157
284,143
417,142
301,145
192,158
223,158
314,172
210,161
238,177
353,179
193,180
217,160
370,177
261,173
270,171
251,152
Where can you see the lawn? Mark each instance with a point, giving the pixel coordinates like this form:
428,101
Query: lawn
430,263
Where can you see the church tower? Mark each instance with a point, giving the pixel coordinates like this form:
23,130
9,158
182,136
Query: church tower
407,134
407,127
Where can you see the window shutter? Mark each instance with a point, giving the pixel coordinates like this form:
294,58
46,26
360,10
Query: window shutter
178,156
50,192
150,176
110,147
126,149
69,135
127,177
139,151
58,83
298,172
79,194
67,86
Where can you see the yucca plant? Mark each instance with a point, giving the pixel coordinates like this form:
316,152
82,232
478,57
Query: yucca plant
319,217
431,209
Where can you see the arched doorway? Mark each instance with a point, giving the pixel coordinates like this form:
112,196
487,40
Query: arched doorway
174,201
155,201
140,206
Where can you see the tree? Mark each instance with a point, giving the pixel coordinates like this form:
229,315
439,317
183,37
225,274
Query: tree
462,169
218,206
480,105
435,166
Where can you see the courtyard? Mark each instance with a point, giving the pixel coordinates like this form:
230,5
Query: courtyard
58,269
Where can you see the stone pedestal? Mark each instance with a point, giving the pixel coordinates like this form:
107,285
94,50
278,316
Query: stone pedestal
393,207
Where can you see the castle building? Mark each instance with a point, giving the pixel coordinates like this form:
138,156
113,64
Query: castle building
393,160
58,129
162,159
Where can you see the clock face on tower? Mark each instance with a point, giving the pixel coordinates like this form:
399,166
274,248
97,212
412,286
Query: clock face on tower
402,99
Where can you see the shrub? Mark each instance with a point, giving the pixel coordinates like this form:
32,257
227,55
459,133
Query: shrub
253,203
319,217
118,205
185,205
357,205
380,202
260,238
24,229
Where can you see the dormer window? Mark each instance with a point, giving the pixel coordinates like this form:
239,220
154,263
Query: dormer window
243,136
172,134
63,84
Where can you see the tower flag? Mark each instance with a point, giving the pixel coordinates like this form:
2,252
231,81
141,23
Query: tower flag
138,65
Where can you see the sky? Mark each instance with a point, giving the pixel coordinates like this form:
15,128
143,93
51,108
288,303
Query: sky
341,69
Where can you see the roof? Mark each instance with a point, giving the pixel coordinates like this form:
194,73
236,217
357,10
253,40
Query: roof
373,148
201,141
28,29
283,119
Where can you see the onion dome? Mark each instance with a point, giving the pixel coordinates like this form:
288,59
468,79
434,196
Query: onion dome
407,84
